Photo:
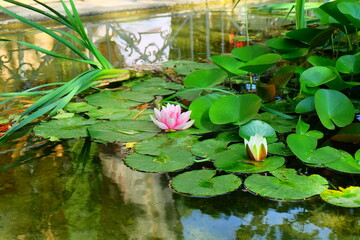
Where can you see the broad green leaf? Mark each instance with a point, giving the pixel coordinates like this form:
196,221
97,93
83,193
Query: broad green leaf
316,76
351,10
279,148
109,113
169,160
79,107
155,145
282,76
207,148
304,34
123,130
75,127
109,98
331,9
285,45
302,127
306,105
204,183
301,145
205,78
229,64
280,124
257,127
333,108
321,61
235,159
345,163
249,53
200,111
286,184
348,64
153,84
235,109
262,63
323,155
295,55
344,197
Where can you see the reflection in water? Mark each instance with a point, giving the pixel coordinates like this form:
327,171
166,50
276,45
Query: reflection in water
62,195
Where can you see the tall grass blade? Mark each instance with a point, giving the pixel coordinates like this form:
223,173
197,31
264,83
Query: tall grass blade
300,14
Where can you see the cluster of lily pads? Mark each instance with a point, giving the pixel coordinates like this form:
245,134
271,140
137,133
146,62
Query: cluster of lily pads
304,105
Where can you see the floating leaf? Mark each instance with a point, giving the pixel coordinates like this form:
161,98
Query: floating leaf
169,160
301,145
208,147
74,127
351,10
123,130
109,113
235,159
205,78
155,84
79,107
234,108
285,45
109,98
333,108
345,197
155,145
295,55
186,67
279,148
345,163
280,124
286,184
321,61
205,183
306,105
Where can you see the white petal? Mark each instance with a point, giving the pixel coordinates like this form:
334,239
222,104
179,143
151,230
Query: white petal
159,124
185,125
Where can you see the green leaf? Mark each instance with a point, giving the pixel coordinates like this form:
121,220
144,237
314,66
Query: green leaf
285,45
186,67
262,63
249,53
74,127
301,145
279,148
169,160
316,76
257,127
306,105
302,127
280,124
345,197
286,184
204,183
321,61
229,64
208,147
345,163
79,107
155,145
295,55
333,108
123,130
348,64
323,155
235,159
109,98
235,109
351,10
205,78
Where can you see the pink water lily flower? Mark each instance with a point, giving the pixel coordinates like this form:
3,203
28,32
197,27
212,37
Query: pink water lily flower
170,118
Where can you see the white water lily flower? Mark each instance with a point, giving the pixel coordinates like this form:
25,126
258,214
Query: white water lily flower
256,147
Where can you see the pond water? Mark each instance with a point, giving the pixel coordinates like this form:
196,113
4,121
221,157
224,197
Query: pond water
52,190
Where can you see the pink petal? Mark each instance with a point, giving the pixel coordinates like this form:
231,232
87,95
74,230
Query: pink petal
157,113
185,125
170,123
183,118
159,124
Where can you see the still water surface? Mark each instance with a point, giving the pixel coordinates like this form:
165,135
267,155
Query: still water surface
54,193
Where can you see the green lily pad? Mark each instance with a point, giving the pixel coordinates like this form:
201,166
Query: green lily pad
280,124
229,64
286,184
74,127
285,45
123,130
333,108
262,63
169,160
235,159
186,67
137,96
205,78
348,64
279,148
108,113
345,197
306,105
109,98
249,53
301,145
155,145
345,163
235,109
154,84
316,76
208,147
204,183
79,107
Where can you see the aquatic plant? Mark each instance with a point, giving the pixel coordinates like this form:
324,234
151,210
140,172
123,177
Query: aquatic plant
256,147
170,118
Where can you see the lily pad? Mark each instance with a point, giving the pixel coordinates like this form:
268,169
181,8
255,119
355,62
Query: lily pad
79,107
348,64
108,113
235,159
205,78
74,127
109,98
229,64
257,127
345,163
280,124
155,145
208,147
123,130
249,53
169,160
286,184
345,197
279,148
204,183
